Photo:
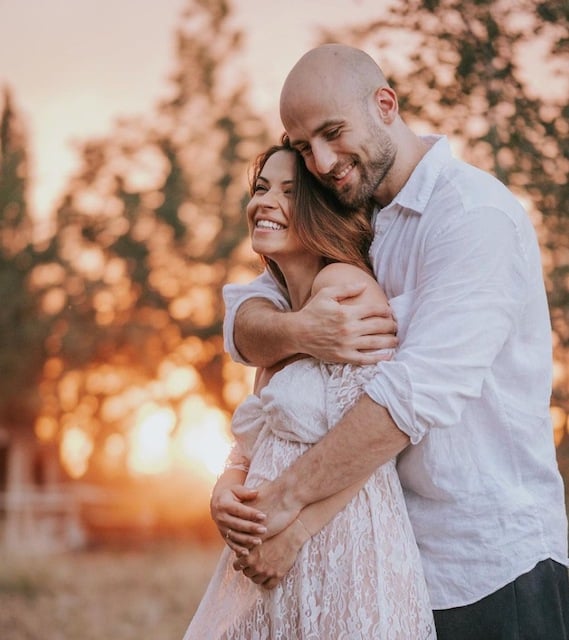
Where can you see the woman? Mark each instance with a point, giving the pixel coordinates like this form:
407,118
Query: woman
348,567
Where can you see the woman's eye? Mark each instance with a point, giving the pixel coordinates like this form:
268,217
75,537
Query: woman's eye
259,187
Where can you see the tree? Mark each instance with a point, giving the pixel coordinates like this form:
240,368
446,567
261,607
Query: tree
148,231
23,324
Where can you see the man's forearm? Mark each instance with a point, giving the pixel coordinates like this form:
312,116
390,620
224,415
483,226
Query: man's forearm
263,334
364,439
318,514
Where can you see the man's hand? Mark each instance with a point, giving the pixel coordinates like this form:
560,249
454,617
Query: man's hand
267,564
342,323
277,502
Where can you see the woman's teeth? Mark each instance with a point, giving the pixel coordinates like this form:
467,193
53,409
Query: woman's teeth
268,224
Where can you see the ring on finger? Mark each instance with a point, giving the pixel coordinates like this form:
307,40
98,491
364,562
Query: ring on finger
227,534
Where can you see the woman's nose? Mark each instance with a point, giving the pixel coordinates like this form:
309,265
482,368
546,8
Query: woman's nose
268,199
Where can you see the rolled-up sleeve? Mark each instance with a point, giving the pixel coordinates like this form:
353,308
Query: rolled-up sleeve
471,286
234,295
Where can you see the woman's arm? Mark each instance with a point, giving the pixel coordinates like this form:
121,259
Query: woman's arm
238,524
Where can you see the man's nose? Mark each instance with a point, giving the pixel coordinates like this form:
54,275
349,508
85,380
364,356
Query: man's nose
324,157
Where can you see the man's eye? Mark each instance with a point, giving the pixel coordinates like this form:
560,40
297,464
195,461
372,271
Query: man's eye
332,134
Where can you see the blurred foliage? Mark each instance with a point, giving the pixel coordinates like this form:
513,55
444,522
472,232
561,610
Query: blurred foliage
149,229
23,328
120,312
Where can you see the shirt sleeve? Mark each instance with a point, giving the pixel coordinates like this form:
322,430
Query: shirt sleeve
471,286
234,295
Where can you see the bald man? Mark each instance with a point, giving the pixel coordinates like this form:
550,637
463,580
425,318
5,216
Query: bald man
465,402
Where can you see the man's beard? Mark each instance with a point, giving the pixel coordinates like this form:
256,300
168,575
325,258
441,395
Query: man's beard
356,196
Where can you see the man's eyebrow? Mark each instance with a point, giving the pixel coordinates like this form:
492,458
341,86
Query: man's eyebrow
325,125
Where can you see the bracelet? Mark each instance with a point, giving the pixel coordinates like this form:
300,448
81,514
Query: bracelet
237,465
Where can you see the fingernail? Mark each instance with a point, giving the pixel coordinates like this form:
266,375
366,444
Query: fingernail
257,541
261,516
261,530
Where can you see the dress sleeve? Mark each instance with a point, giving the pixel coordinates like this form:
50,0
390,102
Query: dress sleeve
237,459
235,294
345,385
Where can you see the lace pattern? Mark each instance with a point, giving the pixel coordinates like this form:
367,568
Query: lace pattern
359,578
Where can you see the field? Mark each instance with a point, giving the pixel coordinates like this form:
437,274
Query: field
137,594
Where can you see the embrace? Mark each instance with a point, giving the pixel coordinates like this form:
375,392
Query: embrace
394,473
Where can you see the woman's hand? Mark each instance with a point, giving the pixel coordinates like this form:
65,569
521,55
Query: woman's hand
239,525
267,564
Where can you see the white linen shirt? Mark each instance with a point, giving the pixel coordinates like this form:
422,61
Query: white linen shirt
471,380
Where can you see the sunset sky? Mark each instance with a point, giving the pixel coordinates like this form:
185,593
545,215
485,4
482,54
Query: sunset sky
74,66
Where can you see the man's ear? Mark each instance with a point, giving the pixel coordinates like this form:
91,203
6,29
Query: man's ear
386,102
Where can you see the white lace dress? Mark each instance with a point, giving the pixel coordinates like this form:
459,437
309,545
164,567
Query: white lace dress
360,577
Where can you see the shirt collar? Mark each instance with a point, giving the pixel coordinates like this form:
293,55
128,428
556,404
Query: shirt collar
417,191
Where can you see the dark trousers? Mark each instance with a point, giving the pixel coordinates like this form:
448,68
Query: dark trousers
533,607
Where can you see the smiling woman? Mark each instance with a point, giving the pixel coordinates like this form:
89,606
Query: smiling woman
273,230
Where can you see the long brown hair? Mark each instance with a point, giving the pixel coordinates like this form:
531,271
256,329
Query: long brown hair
325,226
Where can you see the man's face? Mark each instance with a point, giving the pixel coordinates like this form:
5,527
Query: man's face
346,146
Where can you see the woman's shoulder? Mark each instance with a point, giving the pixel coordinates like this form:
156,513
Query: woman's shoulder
341,273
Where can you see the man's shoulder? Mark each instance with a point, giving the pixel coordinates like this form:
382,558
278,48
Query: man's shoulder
471,188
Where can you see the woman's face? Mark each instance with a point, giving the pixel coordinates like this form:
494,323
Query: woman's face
269,211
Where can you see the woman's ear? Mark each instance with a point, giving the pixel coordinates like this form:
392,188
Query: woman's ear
386,102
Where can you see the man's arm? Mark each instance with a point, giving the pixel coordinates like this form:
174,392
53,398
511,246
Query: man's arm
326,328
365,438
268,563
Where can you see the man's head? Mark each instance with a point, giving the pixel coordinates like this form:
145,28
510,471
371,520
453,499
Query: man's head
341,114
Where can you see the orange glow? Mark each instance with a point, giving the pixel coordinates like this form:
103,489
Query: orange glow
75,450
53,301
202,440
559,419
149,440
46,428
115,446
178,381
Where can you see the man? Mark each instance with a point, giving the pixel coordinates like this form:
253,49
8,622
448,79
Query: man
465,402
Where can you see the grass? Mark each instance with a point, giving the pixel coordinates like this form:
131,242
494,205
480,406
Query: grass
142,594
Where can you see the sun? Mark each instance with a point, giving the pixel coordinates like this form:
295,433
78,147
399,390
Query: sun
202,441
195,438
149,440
